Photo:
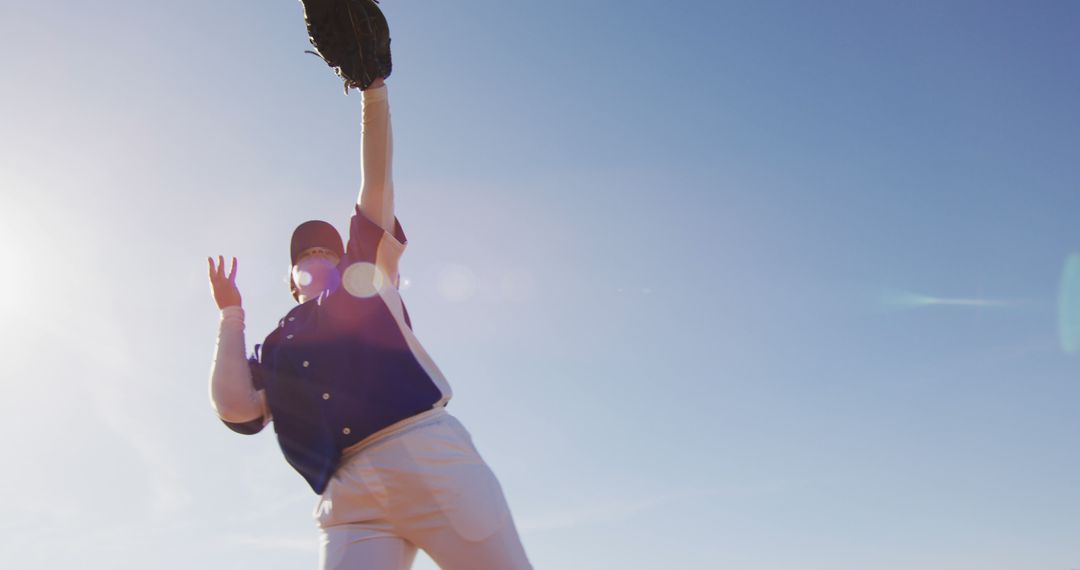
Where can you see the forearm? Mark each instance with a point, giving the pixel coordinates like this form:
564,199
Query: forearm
377,149
232,393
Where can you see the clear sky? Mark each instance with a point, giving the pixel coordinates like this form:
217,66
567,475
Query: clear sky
749,285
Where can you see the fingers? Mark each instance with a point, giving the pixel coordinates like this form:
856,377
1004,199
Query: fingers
217,271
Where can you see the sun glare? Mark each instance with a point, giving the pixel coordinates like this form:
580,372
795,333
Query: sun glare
362,279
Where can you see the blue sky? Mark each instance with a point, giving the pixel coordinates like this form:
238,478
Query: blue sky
665,254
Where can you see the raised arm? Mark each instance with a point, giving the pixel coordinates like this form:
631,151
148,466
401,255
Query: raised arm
233,394
376,198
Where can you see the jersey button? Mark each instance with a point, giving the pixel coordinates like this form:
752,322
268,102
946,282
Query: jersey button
291,319
306,364
288,337
346,431
326,396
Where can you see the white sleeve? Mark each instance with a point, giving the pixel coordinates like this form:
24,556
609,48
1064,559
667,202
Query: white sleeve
232,392
377,155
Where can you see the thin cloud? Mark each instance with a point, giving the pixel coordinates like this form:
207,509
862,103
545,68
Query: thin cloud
272,507
617,510
589,514
308,543
907,299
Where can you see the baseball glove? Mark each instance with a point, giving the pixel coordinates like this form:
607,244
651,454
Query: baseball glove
352,37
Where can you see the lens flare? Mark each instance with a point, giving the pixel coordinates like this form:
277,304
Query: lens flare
456,283
1069,305
363,279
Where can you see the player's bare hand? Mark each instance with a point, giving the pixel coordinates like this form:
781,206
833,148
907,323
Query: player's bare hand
223,285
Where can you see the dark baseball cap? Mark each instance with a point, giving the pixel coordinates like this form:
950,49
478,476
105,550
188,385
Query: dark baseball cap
315,233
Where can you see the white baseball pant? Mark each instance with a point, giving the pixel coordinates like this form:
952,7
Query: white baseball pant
424,486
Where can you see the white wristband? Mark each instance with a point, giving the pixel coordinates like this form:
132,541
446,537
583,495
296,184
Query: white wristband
233,312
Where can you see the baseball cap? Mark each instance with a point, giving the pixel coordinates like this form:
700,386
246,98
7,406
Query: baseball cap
315,233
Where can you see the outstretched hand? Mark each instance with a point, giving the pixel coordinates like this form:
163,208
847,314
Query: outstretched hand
223,286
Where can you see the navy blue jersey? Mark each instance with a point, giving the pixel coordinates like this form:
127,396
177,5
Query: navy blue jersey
345,365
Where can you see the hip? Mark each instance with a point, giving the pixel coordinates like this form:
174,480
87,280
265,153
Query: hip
428,470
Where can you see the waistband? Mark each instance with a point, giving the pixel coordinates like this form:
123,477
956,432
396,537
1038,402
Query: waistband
395,429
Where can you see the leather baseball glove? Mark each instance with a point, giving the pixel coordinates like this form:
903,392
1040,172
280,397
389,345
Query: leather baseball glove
352,37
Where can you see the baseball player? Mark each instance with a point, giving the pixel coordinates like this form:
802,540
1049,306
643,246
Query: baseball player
358,405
